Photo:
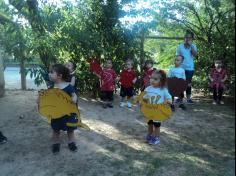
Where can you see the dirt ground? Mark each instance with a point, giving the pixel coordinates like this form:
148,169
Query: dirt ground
196,142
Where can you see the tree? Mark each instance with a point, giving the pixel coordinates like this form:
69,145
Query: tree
212,21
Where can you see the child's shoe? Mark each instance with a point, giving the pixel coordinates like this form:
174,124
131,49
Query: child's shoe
104,106
221,102
3,139
72,146
154,141
110,105
172,107
122,104
214,102
190,101
129,105
177,101
148,138
55,148
182,106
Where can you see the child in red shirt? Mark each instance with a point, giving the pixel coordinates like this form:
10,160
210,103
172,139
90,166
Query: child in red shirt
127,81
107,84
218,76
147,72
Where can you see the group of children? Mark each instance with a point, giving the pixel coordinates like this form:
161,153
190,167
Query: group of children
154,85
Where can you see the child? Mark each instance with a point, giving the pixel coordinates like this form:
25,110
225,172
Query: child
60,75
157,93
217,76
45,75
178,72
107,76
127,80
3,139
72,67
147,72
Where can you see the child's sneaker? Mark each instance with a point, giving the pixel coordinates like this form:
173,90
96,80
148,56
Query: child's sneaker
148,138
129,105
55,148
214,102
122,104
154,141
110,105
177,101
172,107
72,146
221,102
3,139
104,106
182,106
190,101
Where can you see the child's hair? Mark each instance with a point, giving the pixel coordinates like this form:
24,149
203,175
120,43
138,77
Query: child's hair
148,62
73,63
188,31
180,56
106,61
218,60
60,69
109,59
163,79
130,61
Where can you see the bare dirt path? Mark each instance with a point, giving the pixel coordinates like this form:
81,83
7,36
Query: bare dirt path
196,142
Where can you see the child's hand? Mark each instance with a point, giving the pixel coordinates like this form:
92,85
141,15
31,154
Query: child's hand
37,101
169,102
145,100
117,78
134,81
74,98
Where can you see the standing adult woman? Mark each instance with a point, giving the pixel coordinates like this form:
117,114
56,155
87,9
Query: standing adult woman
189,51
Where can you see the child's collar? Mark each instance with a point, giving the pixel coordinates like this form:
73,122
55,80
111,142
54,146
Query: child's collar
72,72
61,85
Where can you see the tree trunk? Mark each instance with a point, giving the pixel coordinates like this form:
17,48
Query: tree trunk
142,59
2,81
23,74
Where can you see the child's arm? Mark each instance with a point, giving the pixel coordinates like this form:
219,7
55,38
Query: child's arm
223,80
99,76
134,80
72,82
184,76
168,97
169,74
74,97
210,76
194,50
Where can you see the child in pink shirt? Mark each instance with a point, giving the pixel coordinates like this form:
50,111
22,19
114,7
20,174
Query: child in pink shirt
217,76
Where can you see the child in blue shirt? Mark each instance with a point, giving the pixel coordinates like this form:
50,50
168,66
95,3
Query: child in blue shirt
72,68
178,72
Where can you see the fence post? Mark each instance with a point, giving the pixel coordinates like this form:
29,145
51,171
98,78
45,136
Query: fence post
2,80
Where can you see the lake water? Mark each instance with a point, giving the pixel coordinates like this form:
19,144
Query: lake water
13,80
